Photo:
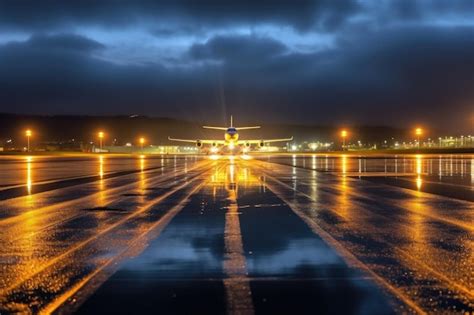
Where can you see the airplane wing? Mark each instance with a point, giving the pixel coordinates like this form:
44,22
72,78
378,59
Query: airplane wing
266,140
215,128
218,142
248,128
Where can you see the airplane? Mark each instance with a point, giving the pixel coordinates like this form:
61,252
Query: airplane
231,138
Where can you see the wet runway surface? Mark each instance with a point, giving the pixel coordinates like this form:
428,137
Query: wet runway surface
304,234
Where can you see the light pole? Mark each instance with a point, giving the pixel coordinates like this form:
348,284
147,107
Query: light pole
142,141
28,135
101,136
418,132
343,135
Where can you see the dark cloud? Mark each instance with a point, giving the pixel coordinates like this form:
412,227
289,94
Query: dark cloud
303,15
177,30
378,14
72,42
406,73
227,48
47,78
407,9
31,14
399,63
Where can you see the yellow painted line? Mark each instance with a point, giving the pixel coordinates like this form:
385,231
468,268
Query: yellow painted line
237,286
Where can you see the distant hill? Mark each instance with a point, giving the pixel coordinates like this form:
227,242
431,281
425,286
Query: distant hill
157,129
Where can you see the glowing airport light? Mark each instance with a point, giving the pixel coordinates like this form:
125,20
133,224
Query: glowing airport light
344,136
215,149
418,132
142,142
101,136
28,134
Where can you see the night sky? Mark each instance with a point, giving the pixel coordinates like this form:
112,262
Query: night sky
399,63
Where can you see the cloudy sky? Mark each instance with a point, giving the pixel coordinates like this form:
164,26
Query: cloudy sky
378,62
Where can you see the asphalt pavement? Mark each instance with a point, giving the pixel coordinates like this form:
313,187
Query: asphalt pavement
240,235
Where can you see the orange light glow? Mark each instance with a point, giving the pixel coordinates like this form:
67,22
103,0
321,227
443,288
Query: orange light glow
29,180
101,167
142,163
214,157
344,133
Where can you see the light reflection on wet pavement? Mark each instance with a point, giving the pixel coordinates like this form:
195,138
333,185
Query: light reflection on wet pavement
195,235
257,257
419,244
450,175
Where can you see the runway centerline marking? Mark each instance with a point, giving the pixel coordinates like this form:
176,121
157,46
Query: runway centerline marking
237,287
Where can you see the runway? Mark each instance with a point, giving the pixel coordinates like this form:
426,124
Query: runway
262,234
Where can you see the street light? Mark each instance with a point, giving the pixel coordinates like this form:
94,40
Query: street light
418,132
142,141
101,136
28,134
343,135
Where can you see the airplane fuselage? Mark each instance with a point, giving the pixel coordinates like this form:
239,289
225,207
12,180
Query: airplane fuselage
231,135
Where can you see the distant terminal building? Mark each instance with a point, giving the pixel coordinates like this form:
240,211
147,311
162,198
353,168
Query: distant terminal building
314,146
456,142
445,142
